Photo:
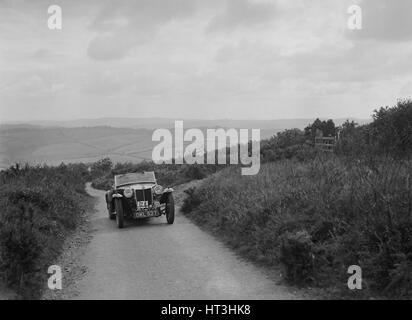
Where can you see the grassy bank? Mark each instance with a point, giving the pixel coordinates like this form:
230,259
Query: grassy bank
40,206
317,218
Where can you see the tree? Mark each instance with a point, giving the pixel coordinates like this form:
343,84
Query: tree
391,129
102,166
327,128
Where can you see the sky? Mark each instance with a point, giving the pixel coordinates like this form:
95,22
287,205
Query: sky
204,59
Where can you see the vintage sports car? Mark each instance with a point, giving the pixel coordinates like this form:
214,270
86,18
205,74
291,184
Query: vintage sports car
137,195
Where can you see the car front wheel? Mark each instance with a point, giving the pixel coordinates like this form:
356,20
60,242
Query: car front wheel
170,209
112,215
119,213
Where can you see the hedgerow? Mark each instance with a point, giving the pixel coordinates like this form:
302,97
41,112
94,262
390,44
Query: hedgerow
40,206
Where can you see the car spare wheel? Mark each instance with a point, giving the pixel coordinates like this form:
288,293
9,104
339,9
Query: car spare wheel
170,209
119,212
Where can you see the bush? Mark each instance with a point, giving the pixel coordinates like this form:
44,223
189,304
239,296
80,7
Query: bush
101,167
296,253
41,206
103,183
195,172
288,144
191,201
391,129
390,134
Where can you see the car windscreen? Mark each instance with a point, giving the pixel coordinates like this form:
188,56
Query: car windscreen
138,177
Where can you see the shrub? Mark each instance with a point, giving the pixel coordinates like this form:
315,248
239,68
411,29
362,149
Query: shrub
191,201
296,253
194,172
391,129
103,183
389,134
288,144
40,207
101,167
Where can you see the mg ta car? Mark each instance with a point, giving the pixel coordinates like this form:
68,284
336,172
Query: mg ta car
137,195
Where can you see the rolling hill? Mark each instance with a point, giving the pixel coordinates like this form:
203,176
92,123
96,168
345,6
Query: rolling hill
87,140
154,123
53,145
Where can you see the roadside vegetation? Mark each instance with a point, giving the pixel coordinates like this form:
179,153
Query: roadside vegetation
315,214
40,206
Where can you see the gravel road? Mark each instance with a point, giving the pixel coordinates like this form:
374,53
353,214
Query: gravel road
153,260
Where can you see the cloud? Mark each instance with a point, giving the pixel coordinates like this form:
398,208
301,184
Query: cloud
106,83
225,53
47,56
122,25
115,45
406,90
352,64
32,86
196,58
242,13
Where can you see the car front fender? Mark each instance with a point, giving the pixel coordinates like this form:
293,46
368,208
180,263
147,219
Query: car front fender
117,195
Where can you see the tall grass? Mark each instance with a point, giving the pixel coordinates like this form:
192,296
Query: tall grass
317,218
40,206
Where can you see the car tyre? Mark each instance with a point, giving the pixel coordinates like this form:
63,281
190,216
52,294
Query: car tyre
112,215
119,213
170,209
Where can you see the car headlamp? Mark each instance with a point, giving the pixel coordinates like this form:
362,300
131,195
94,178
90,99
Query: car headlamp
128,192
158,189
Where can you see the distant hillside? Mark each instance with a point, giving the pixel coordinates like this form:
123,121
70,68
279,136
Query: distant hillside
53,145
154,123
121,139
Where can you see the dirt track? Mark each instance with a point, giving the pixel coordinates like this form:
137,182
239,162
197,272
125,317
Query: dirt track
153,260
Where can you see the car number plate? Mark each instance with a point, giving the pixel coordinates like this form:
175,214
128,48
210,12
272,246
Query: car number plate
142,203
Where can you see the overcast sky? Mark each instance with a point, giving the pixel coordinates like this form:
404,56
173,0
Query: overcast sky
238,59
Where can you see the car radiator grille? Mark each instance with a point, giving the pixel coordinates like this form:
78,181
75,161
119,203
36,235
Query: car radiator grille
144,195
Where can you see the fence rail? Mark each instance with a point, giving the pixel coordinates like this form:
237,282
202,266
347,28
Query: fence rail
325,143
